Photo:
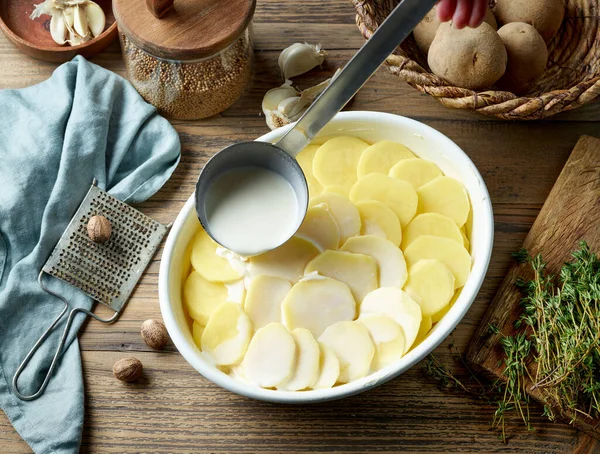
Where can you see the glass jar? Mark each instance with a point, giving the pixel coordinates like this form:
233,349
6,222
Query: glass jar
196,74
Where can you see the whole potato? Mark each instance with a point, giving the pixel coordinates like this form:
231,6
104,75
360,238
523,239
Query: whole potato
424,32
545,15
472,58
527,56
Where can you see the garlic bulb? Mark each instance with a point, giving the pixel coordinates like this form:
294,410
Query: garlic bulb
73,21
284,105
300,58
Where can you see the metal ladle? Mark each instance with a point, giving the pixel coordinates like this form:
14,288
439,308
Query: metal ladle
280,157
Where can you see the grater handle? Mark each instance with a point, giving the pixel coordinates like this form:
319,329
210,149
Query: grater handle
43,338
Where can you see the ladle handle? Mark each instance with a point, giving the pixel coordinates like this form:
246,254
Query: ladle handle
357,71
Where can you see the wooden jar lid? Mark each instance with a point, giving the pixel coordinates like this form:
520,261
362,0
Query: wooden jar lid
185,29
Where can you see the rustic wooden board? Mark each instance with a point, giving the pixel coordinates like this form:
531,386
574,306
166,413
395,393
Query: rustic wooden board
175,410
571,214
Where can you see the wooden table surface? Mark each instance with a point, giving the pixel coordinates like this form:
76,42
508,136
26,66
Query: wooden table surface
174,409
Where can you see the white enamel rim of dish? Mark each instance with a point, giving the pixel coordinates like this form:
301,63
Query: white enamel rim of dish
360,124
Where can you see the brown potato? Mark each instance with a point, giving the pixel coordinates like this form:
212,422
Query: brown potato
472,58
527,56
425,30
545,15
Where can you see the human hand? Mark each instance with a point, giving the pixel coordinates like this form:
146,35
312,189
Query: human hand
462,12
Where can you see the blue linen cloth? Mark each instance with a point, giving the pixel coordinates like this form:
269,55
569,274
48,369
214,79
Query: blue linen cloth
84,122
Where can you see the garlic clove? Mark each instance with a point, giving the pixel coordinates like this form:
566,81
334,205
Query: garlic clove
300,58
80,23
69,17
95,18
293,106
58,29
274,96
76,40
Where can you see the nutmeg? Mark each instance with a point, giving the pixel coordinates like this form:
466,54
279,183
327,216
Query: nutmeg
154,334
99,229
128,369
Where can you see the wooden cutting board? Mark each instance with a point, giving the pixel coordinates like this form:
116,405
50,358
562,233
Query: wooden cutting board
571,214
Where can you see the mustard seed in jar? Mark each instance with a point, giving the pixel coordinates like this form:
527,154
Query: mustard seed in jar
192,62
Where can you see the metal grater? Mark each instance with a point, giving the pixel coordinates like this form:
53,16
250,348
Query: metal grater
106,272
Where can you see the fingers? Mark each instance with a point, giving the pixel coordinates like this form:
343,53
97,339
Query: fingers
478,13
462,15
445,10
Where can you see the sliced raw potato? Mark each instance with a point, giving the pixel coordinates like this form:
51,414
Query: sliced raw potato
398,195
390,261
351,343
305,159
197,330
336,160
207,263
431,224
202,297
226,335
236,291
416,171
449,252
357,271
388,338
329,368
287,261
307,363
397,305
320,228
344,213
431,284
264,298
377,219
424,329
440,314
466,241
315,304
271,356
338,189
381,156
447,196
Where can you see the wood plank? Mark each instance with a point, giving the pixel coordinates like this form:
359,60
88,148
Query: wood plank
569,215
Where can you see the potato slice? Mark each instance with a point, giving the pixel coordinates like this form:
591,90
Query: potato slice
424,329
202,297
197,330
271,356
287,261
416,171
207,263
398,195
336,160
390,261
466,242
307,364
351,343
431,284
377,219
431,224
338,189
305,159
226,335
388,338
447,196
315,304
264,298
397,305
320,228
381,156
357,271
439,315
344,213
329,368
449,252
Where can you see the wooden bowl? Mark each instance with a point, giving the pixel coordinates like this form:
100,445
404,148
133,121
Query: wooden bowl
32,37
572,77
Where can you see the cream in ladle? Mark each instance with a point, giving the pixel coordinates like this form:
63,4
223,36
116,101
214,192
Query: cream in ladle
251,217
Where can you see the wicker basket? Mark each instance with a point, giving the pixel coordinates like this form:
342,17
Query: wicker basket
571,80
